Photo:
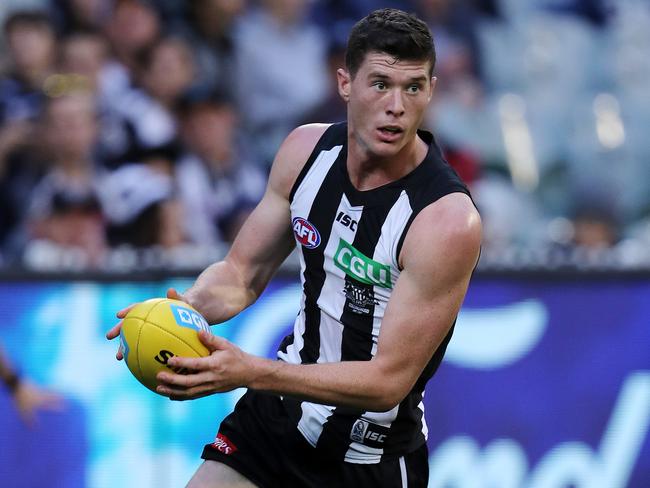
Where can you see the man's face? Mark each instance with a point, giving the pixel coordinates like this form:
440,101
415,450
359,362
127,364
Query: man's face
31,47
71,127
387,100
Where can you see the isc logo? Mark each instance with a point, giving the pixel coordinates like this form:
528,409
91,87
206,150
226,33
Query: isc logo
306,233
189,318
346,220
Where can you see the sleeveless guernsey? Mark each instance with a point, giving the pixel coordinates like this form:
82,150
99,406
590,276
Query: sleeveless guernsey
348,244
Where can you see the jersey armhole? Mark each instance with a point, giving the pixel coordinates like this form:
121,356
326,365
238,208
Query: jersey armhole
326,141
453,189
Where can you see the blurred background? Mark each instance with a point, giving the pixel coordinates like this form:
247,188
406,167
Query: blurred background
136,136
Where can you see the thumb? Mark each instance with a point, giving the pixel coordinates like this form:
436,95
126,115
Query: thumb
213,342
174,295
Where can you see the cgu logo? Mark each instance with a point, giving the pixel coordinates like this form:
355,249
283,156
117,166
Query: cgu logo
360,267
306,233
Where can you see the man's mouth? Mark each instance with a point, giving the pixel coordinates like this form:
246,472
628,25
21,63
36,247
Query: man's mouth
393,129
389,133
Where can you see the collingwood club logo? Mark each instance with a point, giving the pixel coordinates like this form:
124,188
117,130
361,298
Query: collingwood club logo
360,299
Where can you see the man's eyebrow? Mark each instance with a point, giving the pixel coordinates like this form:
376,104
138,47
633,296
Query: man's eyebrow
382,76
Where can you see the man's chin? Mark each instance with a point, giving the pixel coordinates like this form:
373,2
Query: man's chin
383,150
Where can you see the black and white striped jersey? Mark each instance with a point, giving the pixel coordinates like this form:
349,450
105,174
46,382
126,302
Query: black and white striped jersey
349,242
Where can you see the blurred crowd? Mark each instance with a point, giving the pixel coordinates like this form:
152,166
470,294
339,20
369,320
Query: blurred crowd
137,131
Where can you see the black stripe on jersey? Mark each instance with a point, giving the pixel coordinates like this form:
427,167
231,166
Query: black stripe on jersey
357,338
321,215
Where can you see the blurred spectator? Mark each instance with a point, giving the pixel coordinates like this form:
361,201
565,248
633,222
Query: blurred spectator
595,224
84,53
507,71
31,51
280,71
167,70
31,48
209,30
85,60
217,184
64,213
31,42
595,11
133,26
333,108
137,201
454,24
144,114
459,94
338,14
75,15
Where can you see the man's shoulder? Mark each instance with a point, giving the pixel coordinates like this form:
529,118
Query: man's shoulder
305,137
451,225
294,154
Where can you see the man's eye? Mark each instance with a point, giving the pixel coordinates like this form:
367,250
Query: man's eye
380,85
414,88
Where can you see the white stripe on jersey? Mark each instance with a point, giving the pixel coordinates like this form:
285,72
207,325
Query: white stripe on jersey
361,454
425,428
311,183
312,420
402,470
385,252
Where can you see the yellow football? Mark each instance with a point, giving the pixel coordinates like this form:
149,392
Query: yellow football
154,331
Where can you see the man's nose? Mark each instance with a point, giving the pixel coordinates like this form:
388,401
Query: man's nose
395,103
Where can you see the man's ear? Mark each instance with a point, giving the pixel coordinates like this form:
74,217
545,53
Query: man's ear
344,81
432,86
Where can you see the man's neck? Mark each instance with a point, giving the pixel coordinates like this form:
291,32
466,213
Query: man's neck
366,171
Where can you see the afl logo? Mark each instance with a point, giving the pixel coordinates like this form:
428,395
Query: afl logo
306,233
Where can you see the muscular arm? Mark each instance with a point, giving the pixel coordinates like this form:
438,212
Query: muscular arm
438,256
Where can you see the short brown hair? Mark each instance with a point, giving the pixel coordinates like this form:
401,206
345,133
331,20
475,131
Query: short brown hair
391,31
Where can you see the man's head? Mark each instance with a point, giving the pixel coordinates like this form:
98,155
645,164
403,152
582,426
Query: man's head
31,40
387,83
390,31
167,69
209,130
70,127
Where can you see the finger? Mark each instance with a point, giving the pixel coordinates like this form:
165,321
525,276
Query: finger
185,381
180,394
193,364
119,355
191,396
173,294
114,331
122,313
213,342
